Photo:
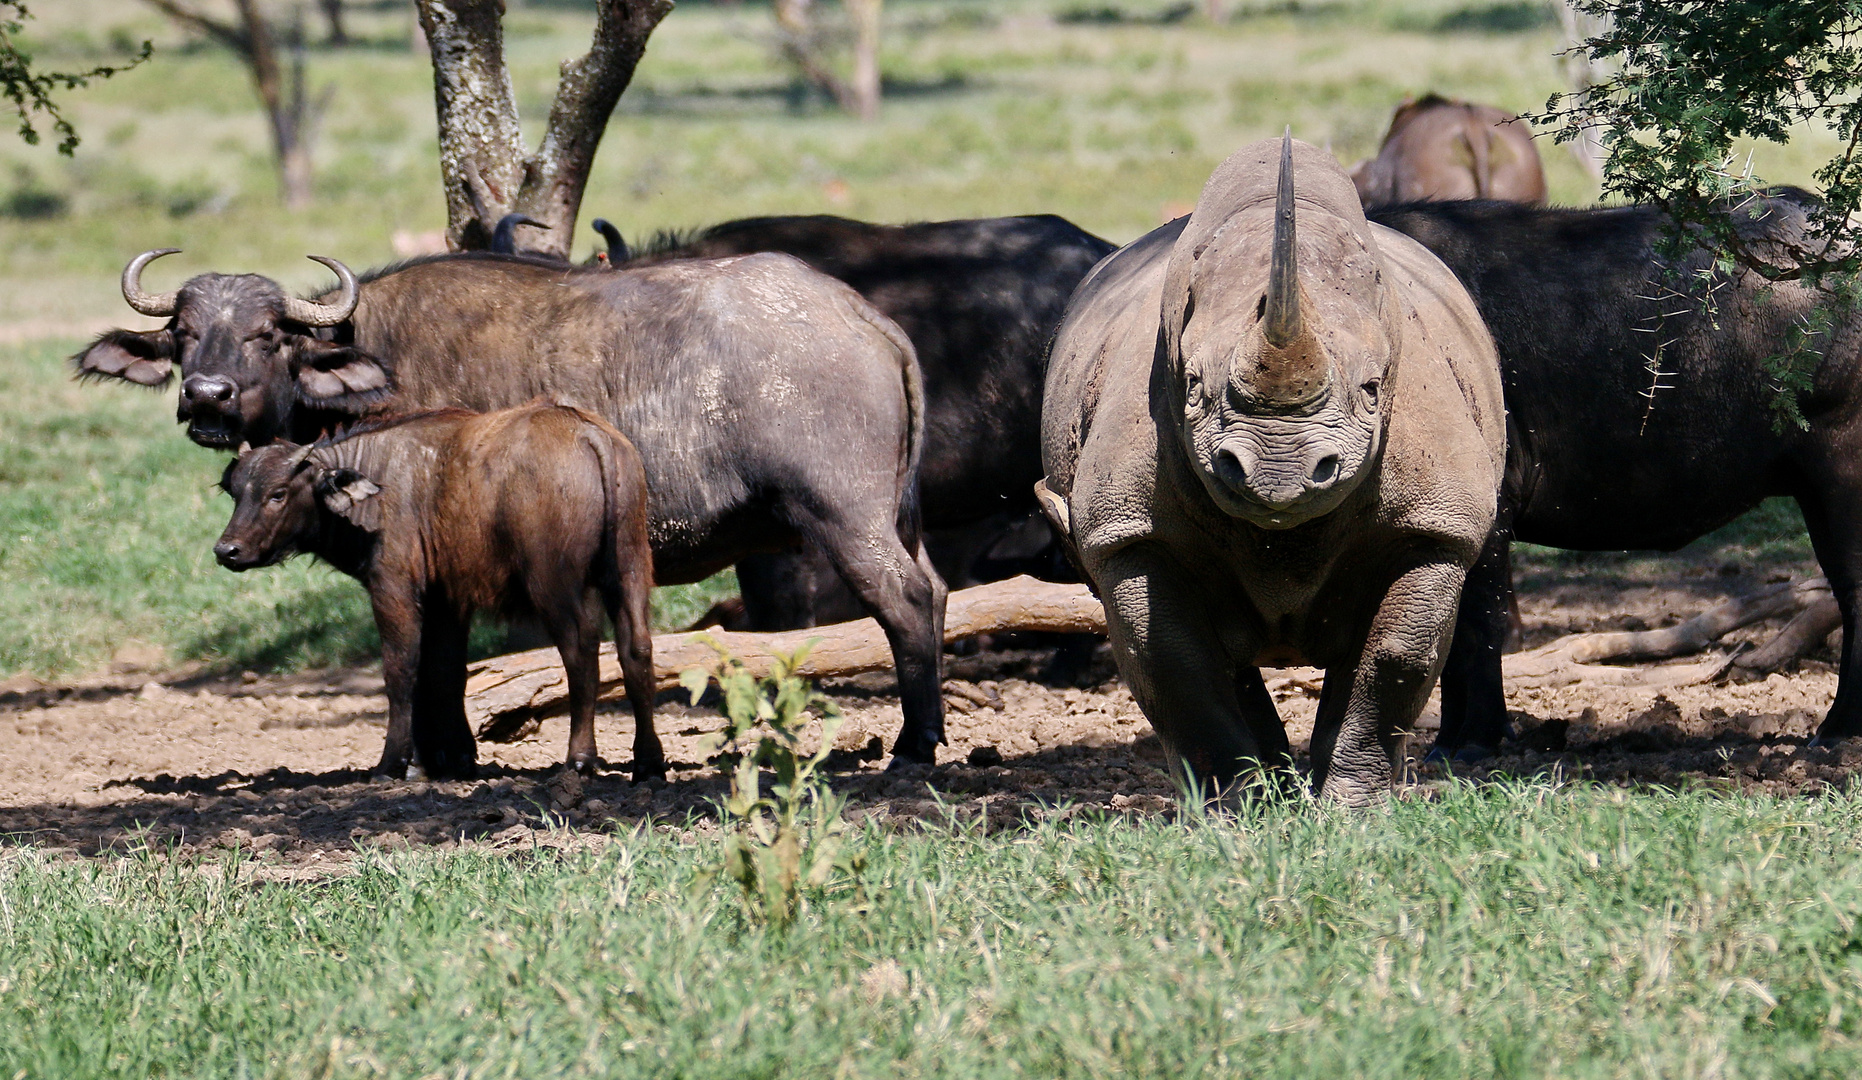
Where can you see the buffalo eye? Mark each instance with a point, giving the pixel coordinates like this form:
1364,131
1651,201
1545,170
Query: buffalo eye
277,496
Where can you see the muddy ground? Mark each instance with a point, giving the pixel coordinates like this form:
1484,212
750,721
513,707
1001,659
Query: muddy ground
278,764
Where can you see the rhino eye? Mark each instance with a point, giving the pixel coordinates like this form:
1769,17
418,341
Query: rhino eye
1370,393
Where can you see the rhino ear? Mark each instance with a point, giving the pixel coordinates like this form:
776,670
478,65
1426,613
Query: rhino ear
345,491
338,377
146,359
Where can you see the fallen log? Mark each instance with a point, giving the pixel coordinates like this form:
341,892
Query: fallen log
1816,622
1576,657
1682,639
505,692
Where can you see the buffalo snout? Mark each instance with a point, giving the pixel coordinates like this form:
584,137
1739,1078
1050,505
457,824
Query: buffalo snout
209,404
234,555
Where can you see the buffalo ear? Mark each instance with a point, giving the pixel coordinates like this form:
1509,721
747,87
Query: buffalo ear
146,359
339,377
344,491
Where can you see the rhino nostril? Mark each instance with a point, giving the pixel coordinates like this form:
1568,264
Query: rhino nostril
1229,469
1325,471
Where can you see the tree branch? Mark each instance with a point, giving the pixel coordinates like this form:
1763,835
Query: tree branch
557,174
233,37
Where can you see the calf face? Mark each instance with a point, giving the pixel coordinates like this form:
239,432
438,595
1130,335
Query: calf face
280,494
246,353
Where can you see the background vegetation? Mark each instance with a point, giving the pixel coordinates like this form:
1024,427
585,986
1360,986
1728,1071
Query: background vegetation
1111,113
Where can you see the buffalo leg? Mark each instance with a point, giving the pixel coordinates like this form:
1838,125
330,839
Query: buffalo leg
629,609
398,621
443,741
1837,539
1171,654
904,594
575,627
1473,693
778,588
1355,756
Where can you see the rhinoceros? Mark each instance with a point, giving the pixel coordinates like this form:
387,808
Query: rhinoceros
1273,434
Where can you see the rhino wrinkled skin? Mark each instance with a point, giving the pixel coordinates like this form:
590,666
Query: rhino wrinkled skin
1273,434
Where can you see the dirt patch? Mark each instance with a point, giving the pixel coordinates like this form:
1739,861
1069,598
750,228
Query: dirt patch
279,765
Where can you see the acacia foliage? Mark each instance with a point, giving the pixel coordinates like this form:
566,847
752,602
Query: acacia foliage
1691,78
30,91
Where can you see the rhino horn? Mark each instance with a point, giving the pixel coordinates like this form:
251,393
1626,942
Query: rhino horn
1282,325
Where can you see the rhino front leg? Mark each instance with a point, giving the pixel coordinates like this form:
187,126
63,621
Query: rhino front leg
1359,735
1173,657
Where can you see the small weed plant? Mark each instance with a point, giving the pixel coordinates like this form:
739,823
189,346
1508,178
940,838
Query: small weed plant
788,843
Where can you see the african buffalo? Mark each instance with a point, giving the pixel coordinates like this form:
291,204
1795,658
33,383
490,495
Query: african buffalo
769,403
535,511
1275,441
1442,149
1638,419
980,300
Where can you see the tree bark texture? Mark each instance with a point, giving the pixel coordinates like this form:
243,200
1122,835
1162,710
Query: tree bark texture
507,690
486,170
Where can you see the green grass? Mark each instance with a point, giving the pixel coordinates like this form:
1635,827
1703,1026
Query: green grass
107,521
1508,931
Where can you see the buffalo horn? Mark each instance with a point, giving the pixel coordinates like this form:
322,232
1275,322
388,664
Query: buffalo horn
1283,280
160,305
311,313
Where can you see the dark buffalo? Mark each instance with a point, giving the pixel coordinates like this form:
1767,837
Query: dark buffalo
538,511
1636,419
980,300
1275,437
770,403
1437,148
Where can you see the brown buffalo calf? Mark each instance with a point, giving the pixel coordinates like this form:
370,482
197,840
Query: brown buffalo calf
540,510
1439,149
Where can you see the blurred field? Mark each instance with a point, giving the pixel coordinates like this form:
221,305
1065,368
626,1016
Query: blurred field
1110,113
994,107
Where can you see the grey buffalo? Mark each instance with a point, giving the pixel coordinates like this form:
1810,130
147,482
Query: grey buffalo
1273,434
770,403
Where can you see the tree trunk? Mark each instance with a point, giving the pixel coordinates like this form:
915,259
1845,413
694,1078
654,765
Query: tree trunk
508,690
485,169
801,44
865,84
290,115
1581,73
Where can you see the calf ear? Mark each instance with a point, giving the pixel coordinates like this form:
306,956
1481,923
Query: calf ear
146,359
345,491
338,377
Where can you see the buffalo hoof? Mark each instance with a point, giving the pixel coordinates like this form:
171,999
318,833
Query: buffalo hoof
1829,741
648,770
913,750
1474,752
1460,755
